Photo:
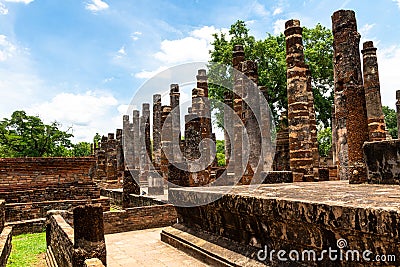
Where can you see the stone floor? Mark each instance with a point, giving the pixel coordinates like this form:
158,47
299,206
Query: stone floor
144,248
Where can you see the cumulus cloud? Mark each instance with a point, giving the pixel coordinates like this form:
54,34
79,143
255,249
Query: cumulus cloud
7,49
87,113
259,9
277,11
3,9
135,35
389,64
96,5
20,1
279,26
195,47
397,2
148,74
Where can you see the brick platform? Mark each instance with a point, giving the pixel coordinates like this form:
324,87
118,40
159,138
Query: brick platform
299,216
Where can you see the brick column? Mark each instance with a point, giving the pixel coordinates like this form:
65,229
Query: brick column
301,147
313,125
156,130
89,239
398,112
120,156
238,129
376,119
350,95
136,138
175,122
127,142
228,101
251,109
111,158
166,133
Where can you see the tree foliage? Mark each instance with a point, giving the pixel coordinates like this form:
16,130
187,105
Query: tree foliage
28,136
271,58
390,120
324,138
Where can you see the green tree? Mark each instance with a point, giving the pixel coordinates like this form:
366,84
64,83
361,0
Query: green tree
28,136
96,139
390,120
324,138
271,58
82,149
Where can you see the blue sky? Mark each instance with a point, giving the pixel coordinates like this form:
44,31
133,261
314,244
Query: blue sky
80,62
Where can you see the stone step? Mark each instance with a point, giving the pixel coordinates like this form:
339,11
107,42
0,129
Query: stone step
210,253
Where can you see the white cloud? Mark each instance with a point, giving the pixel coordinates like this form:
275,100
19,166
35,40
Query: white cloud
7,49
135,36
122,51
389,64
397,2
189,49
3,9
20,1
87,113
279,26
97,5
259,9
277,11
364,30
148,74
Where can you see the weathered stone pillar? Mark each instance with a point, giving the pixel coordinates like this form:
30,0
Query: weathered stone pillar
120,157
252,118
301,153
166,132
130,186
376,119
89,239
398,112
266,125
350,95
238,129
282,152
145,151
313,125
228,127
127,142
111,158
334,137
136,138
157,130
175,122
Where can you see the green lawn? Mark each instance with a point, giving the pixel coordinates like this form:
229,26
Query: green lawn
26,249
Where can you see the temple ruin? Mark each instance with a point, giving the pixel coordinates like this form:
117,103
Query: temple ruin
275,191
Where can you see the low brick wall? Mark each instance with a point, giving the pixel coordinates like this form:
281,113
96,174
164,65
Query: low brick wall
5,245
35,210
115,196
61,251
42,179
2,213
139,218
28,226
60,240
383,162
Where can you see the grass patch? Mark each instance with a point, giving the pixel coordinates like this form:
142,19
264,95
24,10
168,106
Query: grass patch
26,248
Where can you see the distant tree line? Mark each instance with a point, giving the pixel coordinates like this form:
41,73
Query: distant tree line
28,136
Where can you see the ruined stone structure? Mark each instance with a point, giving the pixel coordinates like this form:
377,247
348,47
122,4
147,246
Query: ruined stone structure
5,236
302,143
398,112
376,119
351,113
71,244
157,126
282,157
